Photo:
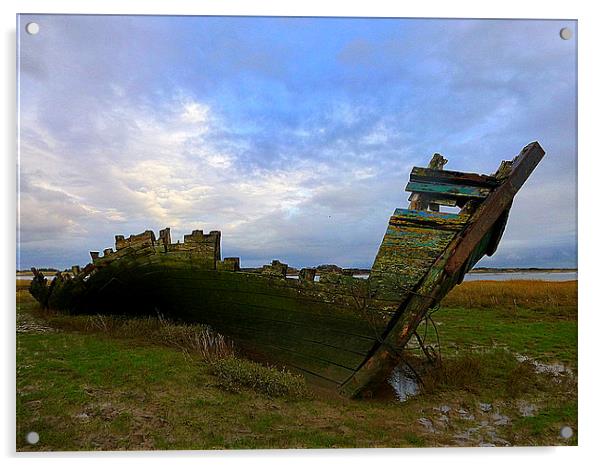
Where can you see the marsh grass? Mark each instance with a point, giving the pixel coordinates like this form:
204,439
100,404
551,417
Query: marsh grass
485,372
461,373
200,340
512,294
23,284
523,379
191,339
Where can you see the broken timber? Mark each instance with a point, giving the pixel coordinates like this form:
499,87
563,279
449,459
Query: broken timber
342,332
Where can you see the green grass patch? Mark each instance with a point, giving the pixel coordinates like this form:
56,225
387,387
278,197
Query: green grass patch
522,331
547,424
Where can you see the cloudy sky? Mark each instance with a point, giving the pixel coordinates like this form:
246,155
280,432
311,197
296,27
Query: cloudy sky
293,136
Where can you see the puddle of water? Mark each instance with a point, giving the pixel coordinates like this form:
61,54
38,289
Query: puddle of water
404,383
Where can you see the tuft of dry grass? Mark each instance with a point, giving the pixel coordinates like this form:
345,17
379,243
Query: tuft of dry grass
496,372
198,339
514,293
462,373
192,339
521,379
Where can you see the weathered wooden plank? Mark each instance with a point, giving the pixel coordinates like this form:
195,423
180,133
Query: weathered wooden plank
281,299
184,287
287,336
426,219
295,362
426,175
448,190
329,331
419,201
413,241
242,280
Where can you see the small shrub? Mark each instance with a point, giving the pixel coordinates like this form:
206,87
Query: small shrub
235,374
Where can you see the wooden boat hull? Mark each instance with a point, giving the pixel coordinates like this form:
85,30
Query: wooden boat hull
342,332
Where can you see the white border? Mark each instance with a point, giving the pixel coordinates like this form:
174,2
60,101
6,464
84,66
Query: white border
590,166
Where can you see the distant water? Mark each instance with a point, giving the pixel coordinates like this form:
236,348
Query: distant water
30,277
504,276
545,276
470,277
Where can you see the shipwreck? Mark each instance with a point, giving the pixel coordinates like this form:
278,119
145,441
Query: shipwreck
342,332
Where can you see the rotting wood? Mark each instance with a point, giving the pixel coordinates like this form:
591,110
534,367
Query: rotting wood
426,175
447,190
420,201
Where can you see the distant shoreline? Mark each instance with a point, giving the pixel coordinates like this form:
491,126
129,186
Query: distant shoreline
520,270
358,271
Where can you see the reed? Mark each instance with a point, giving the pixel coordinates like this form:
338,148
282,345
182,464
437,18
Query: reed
23,284
528,294
196,339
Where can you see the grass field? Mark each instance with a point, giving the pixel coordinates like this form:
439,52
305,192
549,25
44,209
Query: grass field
507,377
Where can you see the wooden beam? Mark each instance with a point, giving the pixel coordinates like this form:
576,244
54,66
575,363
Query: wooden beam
448,190
419,201
426,175
494,206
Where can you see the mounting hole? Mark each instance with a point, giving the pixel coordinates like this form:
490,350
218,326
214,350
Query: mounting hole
566,33
566,432
32,28
32,438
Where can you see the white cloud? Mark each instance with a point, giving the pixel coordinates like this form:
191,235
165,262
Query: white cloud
167,173
194,112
